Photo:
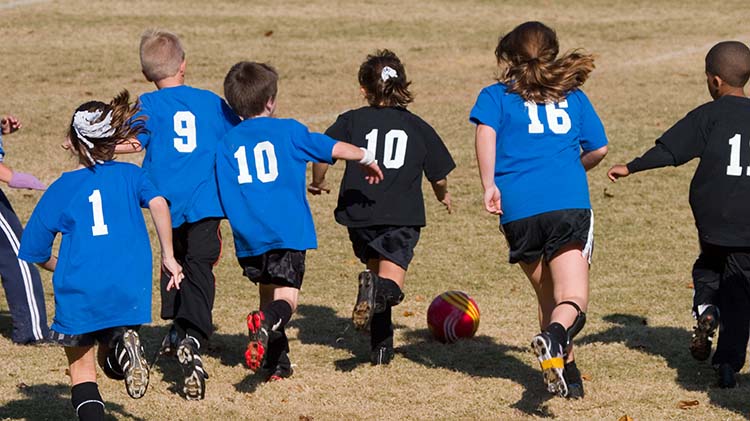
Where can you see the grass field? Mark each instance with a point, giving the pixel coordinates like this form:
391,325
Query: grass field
633,352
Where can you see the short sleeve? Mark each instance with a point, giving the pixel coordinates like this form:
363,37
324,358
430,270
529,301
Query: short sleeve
228,116
312,147
339,130
487,109
592,135
39,234
438,162
145,188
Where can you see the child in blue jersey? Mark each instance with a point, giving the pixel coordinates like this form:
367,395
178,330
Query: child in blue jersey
537,134
261,167
184,126
102,279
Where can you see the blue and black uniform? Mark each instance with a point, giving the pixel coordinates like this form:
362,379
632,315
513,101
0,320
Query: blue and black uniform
184,126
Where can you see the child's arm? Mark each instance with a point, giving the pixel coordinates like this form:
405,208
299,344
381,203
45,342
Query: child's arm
485,146
349,152
318,184
50,264
19,180
590,159
440,188
656,157
128,146
10,124
163,222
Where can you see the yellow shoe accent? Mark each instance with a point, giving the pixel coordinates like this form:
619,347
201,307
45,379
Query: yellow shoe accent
556,362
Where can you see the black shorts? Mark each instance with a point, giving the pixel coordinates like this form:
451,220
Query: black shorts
281,267
395,244
106,337
545,234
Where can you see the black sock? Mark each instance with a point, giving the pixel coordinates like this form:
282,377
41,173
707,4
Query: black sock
87,402
277,350
277,314
381,329
558,332
390,291
185,329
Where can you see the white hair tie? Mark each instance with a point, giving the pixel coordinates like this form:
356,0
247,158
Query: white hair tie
388,73
86,127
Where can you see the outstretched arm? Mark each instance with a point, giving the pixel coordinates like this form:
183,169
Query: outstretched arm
163,222
590,159
348,152
485,138
656,157
318,184
128,146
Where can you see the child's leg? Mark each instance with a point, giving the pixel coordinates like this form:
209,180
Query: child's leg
388,286
85,396
707,273
268,341
735,313
121,357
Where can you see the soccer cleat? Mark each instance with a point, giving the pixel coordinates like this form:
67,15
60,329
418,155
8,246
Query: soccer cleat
381,355
703,332
573,379
133,363
169,344
258,345
366,305
192,367
550,356
280,373
727,379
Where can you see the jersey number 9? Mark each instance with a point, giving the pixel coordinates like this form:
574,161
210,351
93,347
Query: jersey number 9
184,126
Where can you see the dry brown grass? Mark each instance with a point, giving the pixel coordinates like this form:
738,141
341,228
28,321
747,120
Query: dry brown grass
634,348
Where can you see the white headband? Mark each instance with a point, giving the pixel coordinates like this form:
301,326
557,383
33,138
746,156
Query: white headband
86,127
388,73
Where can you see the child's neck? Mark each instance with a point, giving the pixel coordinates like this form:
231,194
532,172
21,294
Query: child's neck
170,82
732,91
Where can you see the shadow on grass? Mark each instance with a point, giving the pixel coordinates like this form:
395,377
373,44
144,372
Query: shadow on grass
52,402
321,326
6,325
671,343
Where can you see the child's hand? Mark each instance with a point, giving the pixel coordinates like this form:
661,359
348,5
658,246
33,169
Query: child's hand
492,201
618,171
10,124
447,202
318,188
169,265
373,174
21,180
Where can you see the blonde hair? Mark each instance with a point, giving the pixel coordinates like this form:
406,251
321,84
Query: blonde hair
527,56
161,54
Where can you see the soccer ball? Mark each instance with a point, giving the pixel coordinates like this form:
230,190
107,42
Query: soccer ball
453,315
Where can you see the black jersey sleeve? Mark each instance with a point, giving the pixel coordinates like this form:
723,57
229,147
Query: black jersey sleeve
681,143
339,130
438,162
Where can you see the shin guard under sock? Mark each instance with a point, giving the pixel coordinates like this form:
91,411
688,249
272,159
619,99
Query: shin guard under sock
381,329
277,314
87,402
389,291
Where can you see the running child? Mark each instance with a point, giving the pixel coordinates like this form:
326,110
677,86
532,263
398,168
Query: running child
384,220
261,167
102,279
21,281
537,134
184,126
717,134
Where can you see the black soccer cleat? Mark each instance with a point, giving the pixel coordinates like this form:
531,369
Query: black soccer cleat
279,373
703,333
727,379
550,356
133,363
573,379
366,303
381,355
257,346
188,355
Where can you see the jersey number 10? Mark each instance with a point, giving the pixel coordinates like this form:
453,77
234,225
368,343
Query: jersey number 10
265,173
394,149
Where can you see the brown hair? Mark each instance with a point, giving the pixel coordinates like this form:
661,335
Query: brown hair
729,60
392,92
122,122
530,67
248,86
161,54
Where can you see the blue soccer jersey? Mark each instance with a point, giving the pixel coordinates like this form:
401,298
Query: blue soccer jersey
261,167
184,126
103,274
538,150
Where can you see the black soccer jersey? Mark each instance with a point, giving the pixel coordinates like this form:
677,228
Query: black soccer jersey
405,146
719,134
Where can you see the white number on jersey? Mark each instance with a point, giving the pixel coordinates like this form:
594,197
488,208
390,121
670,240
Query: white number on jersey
265,174
99,227
184,126
557,118
394,149
734,168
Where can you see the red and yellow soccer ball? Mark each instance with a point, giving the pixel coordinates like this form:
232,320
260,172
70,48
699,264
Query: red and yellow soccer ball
453,315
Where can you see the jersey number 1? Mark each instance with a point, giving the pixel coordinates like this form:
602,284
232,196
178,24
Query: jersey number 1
734,168
265,174
99,227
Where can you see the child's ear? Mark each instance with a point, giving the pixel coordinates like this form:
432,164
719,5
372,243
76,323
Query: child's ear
362,91
183,65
